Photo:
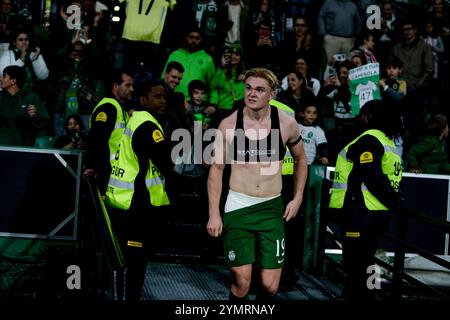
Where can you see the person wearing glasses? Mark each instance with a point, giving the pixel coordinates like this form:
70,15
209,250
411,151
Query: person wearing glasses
418,66
416,54
22,54
300,42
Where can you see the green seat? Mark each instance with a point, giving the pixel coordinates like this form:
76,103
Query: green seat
44,142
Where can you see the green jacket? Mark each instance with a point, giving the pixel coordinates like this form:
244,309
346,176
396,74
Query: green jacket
429,156
16,129
197,65
225,92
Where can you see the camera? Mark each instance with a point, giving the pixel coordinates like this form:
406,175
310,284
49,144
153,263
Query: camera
340,56
394,84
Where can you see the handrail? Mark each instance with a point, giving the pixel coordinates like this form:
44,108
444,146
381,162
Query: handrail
410,278
419,251
421,215
110,245
111,249
404,215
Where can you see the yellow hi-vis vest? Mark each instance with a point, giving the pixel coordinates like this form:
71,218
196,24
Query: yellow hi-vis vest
288,161
391,164
125,168
119,126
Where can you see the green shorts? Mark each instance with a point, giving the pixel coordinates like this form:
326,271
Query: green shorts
255,234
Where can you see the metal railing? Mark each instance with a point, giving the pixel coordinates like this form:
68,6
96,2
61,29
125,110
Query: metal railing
109,247
399,239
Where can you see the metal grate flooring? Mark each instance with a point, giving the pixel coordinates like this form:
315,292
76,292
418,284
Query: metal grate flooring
193,282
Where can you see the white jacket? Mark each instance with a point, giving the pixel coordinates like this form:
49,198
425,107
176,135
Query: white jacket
8,58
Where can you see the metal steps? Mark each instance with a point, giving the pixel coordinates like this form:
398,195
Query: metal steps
166,281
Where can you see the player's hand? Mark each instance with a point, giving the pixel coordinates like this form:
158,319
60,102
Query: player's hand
214,226
291,210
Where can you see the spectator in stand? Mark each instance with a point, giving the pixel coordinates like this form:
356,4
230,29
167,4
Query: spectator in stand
437,45
367,44
261,49
236,15
22,54
390,32
297,92
439,15
93,30
439,89
302,66
24,9
393,91
338,23
188,172
23,116
227,86
77,75
263,11
197,104
429,155
393,88
336,109
209,18
94,18
173,74
357,58
314,140
416,55
298,43
417,58
74,137
8,21
198,65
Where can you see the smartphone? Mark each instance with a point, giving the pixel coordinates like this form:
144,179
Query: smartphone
332,72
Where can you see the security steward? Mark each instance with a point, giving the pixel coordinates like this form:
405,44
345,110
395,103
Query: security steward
107,124
366,188
136,192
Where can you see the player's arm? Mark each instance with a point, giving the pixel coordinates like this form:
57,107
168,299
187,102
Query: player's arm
215,176
366,155
295,145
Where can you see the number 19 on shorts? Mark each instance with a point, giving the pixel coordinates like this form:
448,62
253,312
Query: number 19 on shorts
280,250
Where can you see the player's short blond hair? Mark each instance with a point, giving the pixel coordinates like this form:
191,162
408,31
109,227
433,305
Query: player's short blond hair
263,73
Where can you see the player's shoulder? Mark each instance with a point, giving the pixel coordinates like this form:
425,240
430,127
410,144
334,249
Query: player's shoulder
287,121
229,122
